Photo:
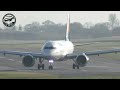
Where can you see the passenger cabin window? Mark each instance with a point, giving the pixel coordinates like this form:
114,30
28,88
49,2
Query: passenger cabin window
49,47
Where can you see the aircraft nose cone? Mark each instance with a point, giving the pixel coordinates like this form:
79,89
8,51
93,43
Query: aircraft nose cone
48,52
49,49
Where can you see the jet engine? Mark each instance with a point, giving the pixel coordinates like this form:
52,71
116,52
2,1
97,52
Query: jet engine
28,61
82,60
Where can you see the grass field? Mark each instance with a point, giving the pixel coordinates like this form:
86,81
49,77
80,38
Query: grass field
31,75
26,75
103,44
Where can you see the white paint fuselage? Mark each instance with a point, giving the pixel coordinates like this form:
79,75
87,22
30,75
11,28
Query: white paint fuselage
57,50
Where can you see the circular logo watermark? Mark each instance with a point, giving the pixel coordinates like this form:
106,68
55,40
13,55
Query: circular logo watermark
9,20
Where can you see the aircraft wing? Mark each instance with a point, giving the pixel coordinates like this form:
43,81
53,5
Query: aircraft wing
85,44
69,56
21,53
82,44
102,52
89,53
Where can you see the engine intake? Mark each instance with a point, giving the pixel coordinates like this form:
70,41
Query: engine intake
82,60
28,61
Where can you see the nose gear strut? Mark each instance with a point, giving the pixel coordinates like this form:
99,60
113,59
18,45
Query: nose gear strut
50,64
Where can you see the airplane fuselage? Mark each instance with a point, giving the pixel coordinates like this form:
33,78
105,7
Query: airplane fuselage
57,50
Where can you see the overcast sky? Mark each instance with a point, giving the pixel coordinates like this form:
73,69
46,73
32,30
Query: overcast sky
27,17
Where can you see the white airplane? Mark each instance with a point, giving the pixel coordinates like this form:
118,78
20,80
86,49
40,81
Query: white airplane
58,51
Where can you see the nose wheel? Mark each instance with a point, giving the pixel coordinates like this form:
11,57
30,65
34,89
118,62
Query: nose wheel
50,65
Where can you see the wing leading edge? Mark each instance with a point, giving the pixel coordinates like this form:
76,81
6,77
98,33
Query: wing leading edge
102,52
89,53
21,53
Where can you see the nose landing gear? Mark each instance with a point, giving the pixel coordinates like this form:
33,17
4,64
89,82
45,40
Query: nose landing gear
50,64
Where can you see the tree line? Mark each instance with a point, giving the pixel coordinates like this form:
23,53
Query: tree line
49,28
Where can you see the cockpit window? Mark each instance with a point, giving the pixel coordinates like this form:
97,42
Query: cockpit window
49,47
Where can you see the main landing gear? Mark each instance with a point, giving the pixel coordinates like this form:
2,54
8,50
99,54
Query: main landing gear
75,65
41,65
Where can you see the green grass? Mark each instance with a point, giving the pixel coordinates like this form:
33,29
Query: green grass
96,77
26,75
33,75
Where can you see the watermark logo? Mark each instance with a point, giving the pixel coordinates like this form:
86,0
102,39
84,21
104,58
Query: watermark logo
9,20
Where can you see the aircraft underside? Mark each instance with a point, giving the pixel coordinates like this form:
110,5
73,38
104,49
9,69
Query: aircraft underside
79,61
51,62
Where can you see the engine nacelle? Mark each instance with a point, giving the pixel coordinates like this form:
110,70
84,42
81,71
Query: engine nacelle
82,60
28,61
